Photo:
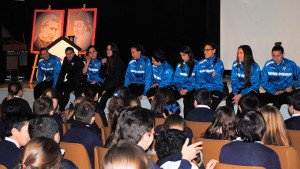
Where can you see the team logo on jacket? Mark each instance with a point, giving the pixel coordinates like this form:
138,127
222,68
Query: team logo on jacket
96,65
72,63
50,64
142,66
284,68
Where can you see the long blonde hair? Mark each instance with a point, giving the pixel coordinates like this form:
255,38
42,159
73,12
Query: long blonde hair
276,133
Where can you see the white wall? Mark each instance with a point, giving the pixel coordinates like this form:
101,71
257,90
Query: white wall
259,24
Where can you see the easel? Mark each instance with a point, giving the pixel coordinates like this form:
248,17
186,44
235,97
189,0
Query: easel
36,58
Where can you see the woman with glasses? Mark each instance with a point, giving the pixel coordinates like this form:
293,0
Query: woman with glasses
244,76
277,78
209,74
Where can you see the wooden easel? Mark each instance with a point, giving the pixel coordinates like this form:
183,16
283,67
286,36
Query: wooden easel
36,58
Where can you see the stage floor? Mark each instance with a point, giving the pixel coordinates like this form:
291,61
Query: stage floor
28,95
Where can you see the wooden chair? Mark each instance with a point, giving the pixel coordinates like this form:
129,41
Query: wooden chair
103,135
77,154
98,120
153,157
159,121
295,137
2,167
198,128
211,148
288,156
230,166
99,155
66,127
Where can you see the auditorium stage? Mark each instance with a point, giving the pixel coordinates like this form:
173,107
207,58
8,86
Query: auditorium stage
28,95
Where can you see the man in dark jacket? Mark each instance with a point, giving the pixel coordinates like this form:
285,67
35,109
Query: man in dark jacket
293,123
71,70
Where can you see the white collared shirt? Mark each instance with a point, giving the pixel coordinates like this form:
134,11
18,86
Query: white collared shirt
12,140
295,115
203,106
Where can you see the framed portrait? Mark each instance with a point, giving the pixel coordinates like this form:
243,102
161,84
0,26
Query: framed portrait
81,24
47,27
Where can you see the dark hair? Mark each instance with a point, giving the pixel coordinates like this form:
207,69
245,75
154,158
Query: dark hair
212,45
191,63
69,48
173,107
132,99
161,97
13,89
132,124
42,106
203,97
125,154
248,61
278,47
41,152
90,91
12,108
250,126
43,127
159,56
117,101
139,48
42,49
71,110
115,54
84,112
224,120
169,142
249,102
294,99
51,93
90,47
174,120
14,122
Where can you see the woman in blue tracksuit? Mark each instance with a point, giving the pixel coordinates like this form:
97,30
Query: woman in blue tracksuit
183,80
209,74
244,76
139,72
162,72
277,78
92,68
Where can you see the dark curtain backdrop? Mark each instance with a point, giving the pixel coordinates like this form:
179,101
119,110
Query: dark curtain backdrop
166,24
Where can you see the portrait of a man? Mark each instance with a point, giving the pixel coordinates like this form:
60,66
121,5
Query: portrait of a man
81,24
48,26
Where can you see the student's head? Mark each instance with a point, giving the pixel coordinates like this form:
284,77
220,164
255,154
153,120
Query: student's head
132,101
245,55
161,97
44,127
250,126
14,89
43,106
41,152
17,129
91,92
158,57
70,53
112,50
223,124
169,142
92,52
171,107
71,110
137,50
294,102
117,100
248,102
276,133
53,95
174,121
12,108
277,52
209,50
125,155
85,112
187,56
202,97
136,125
